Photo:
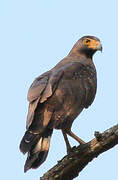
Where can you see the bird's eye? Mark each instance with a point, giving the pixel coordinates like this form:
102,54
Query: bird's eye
86,41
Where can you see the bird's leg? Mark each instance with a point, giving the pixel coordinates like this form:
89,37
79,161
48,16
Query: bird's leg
70,133
68,147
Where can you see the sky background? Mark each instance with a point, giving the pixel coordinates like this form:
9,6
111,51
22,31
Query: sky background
34,36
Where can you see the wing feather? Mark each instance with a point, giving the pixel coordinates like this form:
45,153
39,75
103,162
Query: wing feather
41,89
38,87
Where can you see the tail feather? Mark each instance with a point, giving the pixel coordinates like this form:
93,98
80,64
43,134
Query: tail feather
37,150
28,140
41,158
35,160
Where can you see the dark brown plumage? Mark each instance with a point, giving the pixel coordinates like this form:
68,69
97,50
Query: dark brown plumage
57,97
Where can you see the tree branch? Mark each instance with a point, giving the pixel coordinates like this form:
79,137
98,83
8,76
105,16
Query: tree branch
73,163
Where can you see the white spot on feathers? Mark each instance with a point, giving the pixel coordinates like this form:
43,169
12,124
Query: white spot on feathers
38,146
45,144
42,145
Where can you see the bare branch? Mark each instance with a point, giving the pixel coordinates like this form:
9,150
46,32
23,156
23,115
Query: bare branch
73,163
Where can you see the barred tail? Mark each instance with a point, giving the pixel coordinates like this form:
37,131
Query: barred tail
37,147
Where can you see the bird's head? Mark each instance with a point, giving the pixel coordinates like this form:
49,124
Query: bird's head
87,45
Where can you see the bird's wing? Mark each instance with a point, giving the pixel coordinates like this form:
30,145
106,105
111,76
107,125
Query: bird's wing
41,89
37,87
44,86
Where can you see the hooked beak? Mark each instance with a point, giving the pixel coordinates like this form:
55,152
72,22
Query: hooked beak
99,47
95,45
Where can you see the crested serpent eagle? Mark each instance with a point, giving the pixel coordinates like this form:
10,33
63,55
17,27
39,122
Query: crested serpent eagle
57,97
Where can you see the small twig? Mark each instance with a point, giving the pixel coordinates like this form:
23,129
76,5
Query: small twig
73,163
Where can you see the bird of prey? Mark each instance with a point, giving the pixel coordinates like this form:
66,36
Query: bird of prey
57,97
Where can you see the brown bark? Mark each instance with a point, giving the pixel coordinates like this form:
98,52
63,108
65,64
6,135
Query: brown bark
72,164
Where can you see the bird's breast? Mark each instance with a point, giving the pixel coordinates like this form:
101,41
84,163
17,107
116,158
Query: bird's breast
78,87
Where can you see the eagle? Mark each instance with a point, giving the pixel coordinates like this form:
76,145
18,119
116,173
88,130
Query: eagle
57,97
